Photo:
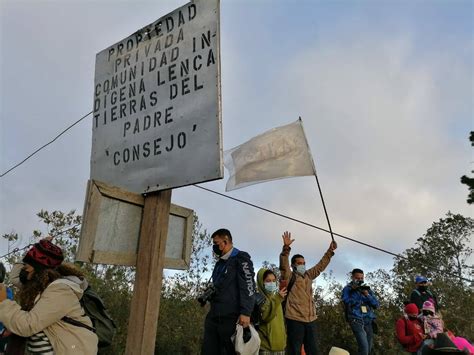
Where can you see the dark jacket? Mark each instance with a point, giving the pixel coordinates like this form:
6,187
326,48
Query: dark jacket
419,297
234,282
354,301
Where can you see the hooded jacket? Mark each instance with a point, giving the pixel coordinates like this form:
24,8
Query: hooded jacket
409,333
272,326
59,299
234,284
300,303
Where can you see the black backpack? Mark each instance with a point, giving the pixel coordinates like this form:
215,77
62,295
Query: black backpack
103,324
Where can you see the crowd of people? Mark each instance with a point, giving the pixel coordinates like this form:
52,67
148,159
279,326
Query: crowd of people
287,319
47,316
421,327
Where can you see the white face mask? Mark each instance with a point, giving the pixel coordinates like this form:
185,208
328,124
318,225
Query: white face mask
301,269
270,286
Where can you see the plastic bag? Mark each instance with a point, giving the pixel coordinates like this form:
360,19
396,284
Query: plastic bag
250,347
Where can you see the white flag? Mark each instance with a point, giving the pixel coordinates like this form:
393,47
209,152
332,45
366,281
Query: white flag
276,154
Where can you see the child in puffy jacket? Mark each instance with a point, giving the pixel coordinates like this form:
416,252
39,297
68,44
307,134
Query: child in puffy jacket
432,322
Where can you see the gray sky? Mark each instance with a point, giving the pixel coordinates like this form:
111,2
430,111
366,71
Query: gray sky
385,90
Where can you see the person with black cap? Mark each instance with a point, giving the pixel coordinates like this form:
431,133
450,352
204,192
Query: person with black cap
50,291
231,294
421,294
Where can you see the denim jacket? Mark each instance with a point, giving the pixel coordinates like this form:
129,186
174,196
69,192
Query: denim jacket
354,302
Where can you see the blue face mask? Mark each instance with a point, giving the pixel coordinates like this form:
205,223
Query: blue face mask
270,287
301,269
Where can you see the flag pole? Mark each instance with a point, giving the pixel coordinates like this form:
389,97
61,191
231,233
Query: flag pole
317,181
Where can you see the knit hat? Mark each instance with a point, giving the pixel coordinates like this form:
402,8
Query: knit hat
44,255
442,345
428,306
338,351
411,308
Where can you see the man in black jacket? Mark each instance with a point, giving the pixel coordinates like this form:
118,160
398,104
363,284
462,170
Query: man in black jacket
233,298
421,294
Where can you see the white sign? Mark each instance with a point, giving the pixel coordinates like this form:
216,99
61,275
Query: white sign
157,110
111,225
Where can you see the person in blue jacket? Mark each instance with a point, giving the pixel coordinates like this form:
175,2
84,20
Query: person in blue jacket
5,293
231,295
359,304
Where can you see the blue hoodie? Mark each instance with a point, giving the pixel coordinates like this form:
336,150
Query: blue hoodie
9,297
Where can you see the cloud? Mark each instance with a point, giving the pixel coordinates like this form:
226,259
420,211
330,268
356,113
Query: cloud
379,115
386,114
381,132
376,126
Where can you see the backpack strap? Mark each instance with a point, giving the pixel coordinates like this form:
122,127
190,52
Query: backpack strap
288,289
77,323
291,283
427,291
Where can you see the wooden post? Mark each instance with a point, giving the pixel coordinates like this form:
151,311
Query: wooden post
144,310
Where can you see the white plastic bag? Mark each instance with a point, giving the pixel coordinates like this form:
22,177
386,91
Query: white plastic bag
338,351
249,348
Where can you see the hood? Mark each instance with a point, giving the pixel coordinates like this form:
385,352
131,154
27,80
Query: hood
260,286
75,283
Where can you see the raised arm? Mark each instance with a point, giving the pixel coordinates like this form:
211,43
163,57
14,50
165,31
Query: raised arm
323,263
55,302
284,255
